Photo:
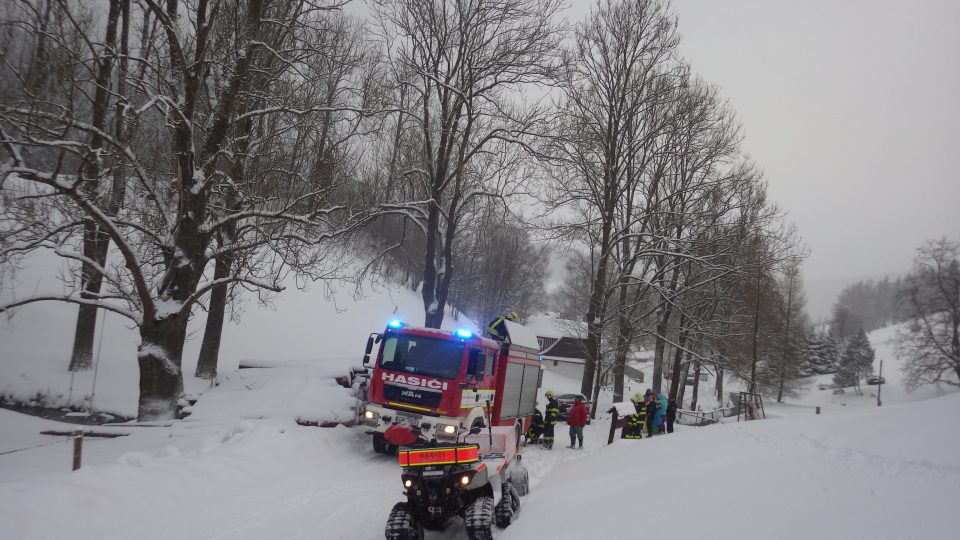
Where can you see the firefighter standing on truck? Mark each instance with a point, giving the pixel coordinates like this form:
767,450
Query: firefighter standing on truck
553,414
497,329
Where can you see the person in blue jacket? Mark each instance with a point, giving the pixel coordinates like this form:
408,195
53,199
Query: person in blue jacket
661,414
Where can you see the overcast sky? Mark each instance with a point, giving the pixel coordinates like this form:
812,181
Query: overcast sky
851,108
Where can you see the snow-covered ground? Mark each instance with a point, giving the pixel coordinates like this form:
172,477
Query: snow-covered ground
241,467
878,472
890,472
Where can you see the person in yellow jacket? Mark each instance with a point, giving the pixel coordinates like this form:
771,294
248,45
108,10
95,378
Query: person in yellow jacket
637,421
536,428
550,420
497,329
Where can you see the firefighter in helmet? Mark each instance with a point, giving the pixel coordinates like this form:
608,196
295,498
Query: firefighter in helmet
536,428
497,329
636,421
553,415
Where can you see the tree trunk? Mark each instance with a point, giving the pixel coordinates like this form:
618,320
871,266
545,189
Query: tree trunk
678,357
428,290
663,322
594,329
595,394
213,331
756,336
82,356
786,341
719,385
681,392
623,348
696,385
89,175
161,380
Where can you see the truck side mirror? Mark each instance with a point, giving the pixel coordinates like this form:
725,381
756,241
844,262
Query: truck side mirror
371,339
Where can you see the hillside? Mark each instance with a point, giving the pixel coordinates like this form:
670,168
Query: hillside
324,325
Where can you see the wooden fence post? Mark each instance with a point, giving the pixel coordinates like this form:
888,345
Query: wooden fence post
613,425
77,449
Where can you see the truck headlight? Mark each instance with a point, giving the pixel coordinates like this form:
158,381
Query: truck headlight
446,431
371,418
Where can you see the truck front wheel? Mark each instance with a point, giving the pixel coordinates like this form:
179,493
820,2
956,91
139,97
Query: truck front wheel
381,446
379,443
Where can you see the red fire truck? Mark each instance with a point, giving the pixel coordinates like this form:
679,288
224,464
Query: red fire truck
441,383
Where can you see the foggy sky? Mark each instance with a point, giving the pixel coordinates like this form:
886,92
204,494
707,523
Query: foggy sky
851,108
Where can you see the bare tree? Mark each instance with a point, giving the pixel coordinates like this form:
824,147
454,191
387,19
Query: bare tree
795,324
333,73
466,60
198,96
612,72
930,299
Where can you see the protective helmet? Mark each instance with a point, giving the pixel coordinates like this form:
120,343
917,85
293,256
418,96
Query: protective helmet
550,394
638,397
512,315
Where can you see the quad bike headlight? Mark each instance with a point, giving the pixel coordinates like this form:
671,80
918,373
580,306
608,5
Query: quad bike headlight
463,479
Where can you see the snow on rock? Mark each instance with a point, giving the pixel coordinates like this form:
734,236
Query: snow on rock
289,393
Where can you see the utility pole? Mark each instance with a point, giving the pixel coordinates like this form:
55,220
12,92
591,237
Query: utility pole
880,383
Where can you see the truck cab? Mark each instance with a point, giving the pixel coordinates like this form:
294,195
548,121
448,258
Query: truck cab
441,382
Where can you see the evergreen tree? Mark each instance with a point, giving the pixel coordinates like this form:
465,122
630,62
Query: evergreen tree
856,363
821,354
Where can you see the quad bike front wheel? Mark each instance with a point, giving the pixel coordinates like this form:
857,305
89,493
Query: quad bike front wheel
479,518
401,525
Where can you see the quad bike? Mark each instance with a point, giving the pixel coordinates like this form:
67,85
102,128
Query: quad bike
480,480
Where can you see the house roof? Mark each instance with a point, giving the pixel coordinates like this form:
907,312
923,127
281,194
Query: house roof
564,359
522,335
567,347
548,326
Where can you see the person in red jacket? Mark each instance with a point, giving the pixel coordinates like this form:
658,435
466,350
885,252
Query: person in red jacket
576,420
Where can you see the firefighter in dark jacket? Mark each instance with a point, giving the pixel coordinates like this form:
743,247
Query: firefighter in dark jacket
636,421
497,329
536,428
550,420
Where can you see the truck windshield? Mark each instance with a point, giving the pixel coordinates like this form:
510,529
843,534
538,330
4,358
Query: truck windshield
422,356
